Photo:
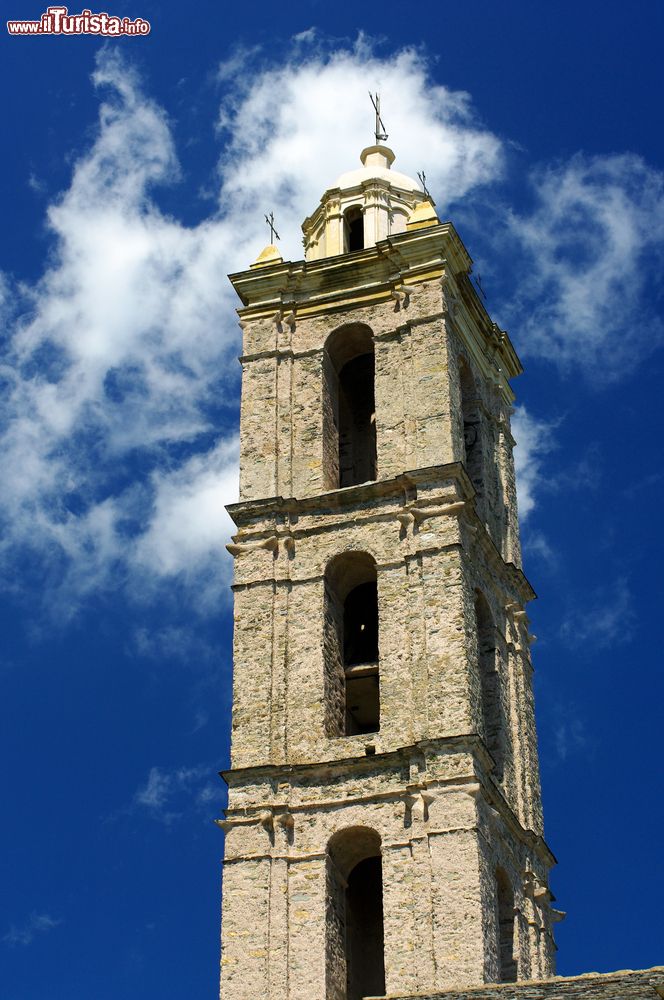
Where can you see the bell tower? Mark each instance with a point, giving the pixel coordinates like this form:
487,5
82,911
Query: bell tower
384,826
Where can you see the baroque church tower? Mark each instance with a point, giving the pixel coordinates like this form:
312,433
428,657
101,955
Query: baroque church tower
384,826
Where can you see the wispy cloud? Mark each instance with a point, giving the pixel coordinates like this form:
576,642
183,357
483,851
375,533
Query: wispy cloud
537,546
569,733
534,439
174,642
607,617
24,934
170,793
590,254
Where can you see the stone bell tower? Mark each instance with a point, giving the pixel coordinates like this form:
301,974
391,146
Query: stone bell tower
384,826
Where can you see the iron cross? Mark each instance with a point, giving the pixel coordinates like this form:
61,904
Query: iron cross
273,232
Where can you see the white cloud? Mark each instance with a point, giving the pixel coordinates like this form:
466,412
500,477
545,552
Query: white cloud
589,252
122,358
121,377
189,523
37,923
294,128
534,439
167,794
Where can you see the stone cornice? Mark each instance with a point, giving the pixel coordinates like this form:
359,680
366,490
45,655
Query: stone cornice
476,782
377,274
246,512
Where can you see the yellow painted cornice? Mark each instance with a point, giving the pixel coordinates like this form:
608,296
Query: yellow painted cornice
278,288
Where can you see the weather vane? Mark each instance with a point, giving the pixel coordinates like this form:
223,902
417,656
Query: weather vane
423,181
380,133
273,232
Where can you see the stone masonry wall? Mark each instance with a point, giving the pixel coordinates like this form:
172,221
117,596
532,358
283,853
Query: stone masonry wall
285,449
286,685
441,842
425,788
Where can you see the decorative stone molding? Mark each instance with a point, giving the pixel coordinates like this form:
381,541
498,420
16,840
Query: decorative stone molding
289,320
240,548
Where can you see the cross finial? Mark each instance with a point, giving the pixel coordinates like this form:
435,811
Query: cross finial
273,232
380,133
423,181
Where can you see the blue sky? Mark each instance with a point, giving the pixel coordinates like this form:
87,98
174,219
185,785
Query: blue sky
135,177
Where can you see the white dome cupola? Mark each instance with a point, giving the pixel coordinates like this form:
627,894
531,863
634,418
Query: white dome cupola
364,206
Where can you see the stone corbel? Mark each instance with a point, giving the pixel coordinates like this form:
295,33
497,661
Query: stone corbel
414,516
240,548
529,883
285,820
264,818
289,320
278,317
427,799
558,915
401,295
409,801
289,545
421,514
535,890
417,803
498,336
405,519
286,823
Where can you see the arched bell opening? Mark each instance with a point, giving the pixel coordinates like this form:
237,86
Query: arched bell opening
491,695
349,407
352,685
355,962
505,902
353,229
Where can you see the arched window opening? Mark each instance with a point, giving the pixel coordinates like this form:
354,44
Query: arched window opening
355,963
352,688
472,429
349,407
505,898
354,229
492,713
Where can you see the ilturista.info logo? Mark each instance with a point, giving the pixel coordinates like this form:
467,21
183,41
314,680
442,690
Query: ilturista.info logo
58,21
